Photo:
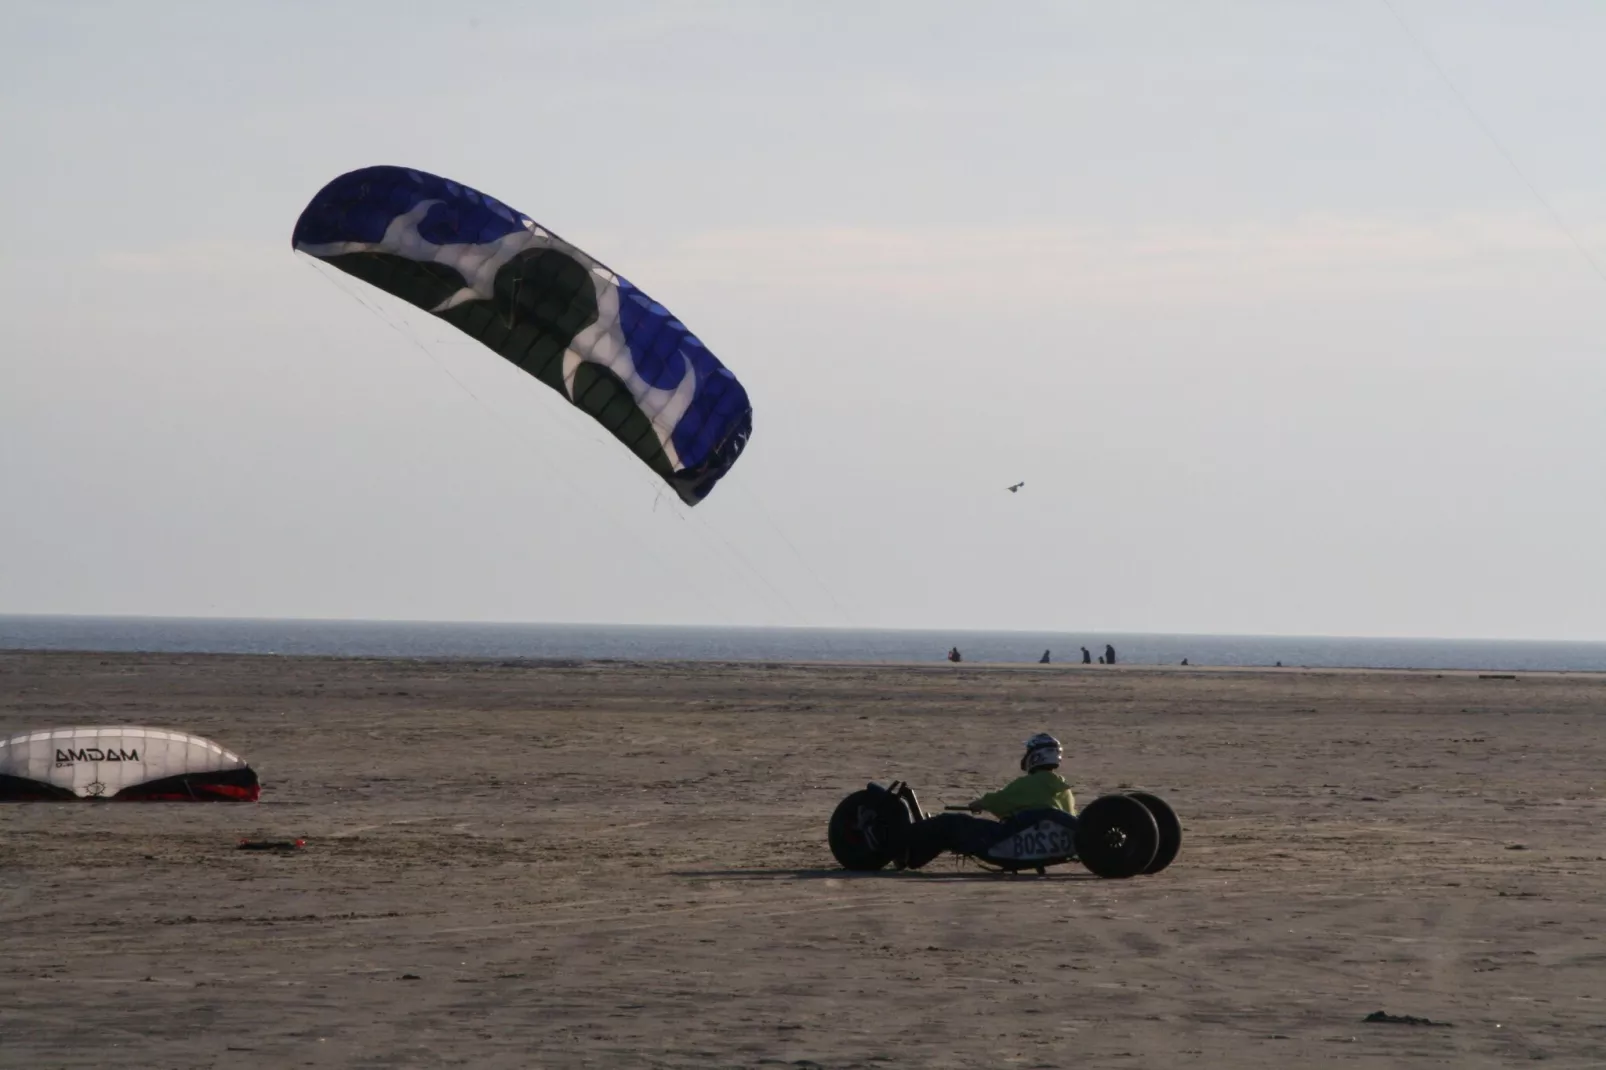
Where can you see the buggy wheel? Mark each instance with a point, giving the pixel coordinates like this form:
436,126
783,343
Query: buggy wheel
1165,819
1116,836
868,829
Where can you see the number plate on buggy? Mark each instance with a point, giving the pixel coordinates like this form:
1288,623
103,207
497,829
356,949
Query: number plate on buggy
1044,840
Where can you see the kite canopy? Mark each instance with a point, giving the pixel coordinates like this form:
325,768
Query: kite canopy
121,763
546,306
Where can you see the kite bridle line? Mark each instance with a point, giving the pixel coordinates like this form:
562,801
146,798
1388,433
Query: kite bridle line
615,520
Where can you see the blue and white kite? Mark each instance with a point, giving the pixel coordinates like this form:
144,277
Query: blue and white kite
545,305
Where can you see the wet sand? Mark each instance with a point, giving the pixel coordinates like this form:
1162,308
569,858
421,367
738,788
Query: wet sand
620,865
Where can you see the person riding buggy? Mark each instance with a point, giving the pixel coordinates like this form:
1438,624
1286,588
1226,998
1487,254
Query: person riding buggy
1035,824
1041,788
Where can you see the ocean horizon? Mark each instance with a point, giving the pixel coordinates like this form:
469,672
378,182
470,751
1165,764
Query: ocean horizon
617,642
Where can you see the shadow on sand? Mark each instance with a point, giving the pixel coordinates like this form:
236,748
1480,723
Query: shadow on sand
881,874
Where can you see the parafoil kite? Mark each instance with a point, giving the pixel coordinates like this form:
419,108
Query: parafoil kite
121,763
543,304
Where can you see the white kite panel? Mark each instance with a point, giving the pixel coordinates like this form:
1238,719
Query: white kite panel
100,762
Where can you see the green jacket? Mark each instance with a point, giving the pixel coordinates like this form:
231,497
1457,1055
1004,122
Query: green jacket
1042,790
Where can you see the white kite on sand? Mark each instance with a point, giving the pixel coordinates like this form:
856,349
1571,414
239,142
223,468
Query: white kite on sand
121,763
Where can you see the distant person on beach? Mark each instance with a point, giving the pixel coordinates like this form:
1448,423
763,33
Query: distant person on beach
1087,658
1044,659
953,654
1109,654
1101,659
1184,661
1040,788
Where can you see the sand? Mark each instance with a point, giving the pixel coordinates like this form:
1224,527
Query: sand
620,865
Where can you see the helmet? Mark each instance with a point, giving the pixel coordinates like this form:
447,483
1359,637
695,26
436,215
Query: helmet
1042,749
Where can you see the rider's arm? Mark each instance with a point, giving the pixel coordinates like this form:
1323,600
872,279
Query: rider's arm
986,802
1006,800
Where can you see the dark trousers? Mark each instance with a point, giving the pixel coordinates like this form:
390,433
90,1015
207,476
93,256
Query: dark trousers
961,833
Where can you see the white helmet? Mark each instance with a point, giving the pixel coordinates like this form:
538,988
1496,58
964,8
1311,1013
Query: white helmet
1042,749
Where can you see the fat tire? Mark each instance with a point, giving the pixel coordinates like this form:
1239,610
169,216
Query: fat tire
888,836
1165,819
1116,837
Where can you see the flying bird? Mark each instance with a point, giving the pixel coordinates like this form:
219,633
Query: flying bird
1016,487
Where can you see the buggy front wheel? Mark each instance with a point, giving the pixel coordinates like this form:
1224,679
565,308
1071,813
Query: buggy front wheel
1116,836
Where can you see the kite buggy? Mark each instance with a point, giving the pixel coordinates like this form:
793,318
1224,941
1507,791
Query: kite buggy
1115,836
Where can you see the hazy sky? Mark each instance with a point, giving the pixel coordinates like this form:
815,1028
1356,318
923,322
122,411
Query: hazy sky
1275,334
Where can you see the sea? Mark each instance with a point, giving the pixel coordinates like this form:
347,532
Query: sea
609,642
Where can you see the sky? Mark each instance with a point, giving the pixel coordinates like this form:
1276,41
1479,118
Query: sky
1290,315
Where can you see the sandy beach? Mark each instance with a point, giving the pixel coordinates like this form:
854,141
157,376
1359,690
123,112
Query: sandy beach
620,865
